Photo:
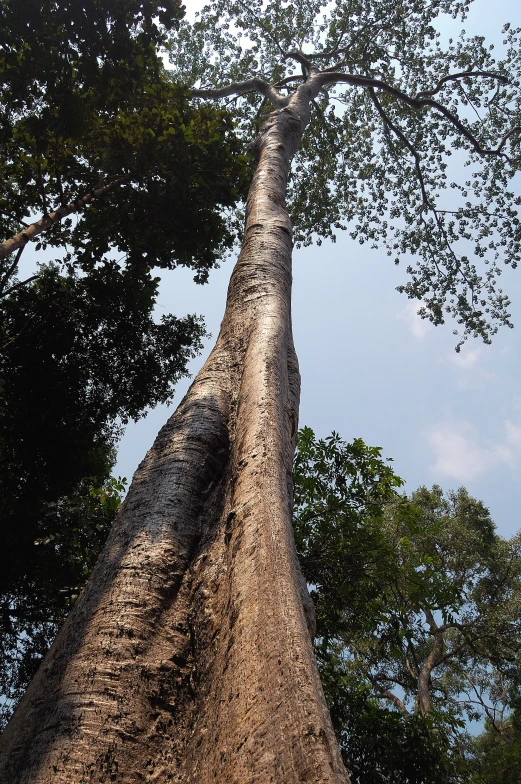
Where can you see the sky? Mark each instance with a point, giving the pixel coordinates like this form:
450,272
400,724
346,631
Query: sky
371,368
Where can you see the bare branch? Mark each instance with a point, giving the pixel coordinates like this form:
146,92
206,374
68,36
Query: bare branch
287,80
462,75
394,128
381,691
21,239
255,85
325,55
388,695
300,58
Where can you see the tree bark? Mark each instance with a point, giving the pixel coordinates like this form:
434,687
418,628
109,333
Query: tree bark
423,701
188,657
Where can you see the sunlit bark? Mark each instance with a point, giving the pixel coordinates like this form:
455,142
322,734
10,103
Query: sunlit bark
188,657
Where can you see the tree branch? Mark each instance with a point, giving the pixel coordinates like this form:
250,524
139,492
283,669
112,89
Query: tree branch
300,58
18,285
432,660
255,85
394,128
324,78
388,695
287,80
263,26
21,239
11,268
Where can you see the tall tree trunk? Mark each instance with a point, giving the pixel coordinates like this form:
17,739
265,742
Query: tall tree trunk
188,657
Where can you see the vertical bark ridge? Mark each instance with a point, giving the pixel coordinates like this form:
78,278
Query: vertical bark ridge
96,688
188,657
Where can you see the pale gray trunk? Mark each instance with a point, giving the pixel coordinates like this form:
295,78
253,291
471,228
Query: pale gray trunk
188,658
423,699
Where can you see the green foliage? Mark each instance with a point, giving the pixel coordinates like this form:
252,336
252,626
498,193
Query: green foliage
81,355
75,528
498,753
340,493
408,591
86,101
374,163
380,744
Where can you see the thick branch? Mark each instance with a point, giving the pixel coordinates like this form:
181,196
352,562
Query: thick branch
388,695
326,55
300,58
255,85
21,239
462,75
288,79
326,78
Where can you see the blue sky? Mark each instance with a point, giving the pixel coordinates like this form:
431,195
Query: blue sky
371,368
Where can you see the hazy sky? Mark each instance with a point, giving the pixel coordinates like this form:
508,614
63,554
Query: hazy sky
372,368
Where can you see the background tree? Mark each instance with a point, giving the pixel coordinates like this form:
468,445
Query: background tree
37,602
196,609
498,749
418,616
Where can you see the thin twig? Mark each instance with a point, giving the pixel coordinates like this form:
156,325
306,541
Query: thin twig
463,75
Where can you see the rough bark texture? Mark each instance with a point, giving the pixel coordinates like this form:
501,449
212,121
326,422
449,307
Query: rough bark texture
188,656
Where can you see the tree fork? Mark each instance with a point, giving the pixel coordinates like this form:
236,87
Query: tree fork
188,657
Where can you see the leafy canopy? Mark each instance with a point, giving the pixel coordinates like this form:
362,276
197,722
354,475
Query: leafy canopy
86,102
396,105
418,605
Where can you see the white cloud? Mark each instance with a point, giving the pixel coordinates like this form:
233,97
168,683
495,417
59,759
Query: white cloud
417,326
466,358
459,452
513,434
